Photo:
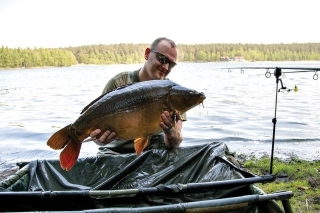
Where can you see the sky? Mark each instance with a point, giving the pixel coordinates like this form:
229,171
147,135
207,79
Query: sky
64,23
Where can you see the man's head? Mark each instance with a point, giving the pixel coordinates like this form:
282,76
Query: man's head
160,59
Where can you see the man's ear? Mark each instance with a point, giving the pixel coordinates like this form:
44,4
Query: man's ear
147,53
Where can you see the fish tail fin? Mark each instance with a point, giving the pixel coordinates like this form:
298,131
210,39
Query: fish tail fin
59,139
69,155
140,144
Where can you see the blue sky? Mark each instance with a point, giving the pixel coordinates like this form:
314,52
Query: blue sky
63,23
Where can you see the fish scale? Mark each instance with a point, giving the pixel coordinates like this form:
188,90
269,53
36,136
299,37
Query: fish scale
133,112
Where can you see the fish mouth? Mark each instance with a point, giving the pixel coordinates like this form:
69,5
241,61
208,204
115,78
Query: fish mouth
202,98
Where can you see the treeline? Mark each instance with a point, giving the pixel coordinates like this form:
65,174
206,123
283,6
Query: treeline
251,52
134,53
14,58
109,54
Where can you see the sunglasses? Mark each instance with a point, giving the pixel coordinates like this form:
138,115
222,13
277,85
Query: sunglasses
163,59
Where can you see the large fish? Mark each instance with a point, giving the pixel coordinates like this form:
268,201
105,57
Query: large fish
133,112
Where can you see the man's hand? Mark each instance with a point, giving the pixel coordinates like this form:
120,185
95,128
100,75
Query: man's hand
171,127
105,138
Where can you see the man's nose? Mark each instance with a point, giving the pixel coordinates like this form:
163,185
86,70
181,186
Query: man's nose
166,66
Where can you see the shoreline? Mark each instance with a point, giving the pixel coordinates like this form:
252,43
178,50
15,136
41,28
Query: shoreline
307,151
186,62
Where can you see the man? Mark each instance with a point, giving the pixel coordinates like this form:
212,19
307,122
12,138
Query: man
160,59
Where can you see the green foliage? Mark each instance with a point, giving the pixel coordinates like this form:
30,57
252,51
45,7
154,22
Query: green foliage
303,179
134,53
16,58
109,54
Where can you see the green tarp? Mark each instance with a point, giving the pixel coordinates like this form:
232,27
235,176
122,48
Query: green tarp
157,177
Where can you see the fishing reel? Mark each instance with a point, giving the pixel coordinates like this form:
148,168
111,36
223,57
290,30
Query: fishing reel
277,72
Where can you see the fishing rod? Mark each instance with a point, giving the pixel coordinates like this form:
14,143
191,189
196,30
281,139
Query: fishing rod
215,205
277,73
268,74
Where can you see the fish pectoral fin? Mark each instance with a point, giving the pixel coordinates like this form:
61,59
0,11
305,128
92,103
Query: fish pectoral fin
140,144
59,139
69,155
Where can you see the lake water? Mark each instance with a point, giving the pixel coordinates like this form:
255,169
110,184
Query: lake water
238,110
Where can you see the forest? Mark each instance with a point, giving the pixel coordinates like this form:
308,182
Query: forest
125,53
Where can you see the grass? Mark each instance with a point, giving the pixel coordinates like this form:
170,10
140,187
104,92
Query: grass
299,176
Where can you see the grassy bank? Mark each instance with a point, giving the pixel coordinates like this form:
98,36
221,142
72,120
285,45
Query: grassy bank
300,177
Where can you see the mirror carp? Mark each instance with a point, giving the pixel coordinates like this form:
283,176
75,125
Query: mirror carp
132,111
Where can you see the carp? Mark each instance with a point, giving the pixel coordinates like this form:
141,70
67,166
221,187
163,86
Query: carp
132,111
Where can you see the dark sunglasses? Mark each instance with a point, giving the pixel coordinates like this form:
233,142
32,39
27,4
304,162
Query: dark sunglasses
163,59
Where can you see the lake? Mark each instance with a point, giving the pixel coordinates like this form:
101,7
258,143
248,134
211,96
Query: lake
238,110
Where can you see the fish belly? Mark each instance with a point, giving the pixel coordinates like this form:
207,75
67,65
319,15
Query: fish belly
136,123
129,123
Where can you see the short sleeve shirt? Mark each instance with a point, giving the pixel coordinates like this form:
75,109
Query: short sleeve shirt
121,79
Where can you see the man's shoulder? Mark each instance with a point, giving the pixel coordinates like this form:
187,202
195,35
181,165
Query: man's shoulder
120,79
126,77
121,75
